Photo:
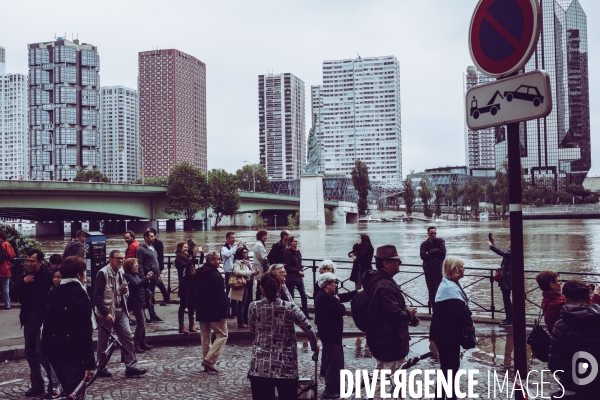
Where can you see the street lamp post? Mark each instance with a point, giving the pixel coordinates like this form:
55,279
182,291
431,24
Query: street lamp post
275,221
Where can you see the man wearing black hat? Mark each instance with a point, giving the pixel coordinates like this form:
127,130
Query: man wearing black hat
388,315
574,344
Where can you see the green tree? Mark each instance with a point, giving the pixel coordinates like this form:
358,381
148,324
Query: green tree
454,195
439,196
187,192
362,184
491,194
225,197
408,195
476,194
160,181
425,194
253,175
293,220
91,175
502,190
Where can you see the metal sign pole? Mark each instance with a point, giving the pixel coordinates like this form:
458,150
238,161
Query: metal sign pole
516,250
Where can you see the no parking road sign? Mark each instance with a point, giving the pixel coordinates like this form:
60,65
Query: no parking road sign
503,35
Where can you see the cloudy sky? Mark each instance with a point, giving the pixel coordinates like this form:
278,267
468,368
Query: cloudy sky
238,40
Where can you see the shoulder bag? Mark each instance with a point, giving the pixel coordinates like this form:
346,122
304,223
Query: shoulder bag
468,339
539,339
236,281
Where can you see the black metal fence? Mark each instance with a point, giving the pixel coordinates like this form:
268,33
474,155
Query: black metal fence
478,283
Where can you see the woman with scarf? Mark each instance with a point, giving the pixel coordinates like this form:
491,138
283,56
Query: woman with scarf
260,263
242,268
362,254
137,300
185,262
68,325
451,316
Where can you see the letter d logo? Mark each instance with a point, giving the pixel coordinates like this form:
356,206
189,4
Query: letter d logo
583,363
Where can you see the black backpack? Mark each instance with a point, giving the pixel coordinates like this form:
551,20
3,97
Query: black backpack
539,339
360,308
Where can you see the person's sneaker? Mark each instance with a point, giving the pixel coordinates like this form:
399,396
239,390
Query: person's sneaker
148,321
54,394
135,372
34,392
156,319
505,322
330,396
138,349
165,303
104,374
145,346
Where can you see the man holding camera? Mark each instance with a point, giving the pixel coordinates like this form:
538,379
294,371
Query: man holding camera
110,301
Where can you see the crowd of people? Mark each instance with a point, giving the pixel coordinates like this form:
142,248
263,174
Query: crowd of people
58,316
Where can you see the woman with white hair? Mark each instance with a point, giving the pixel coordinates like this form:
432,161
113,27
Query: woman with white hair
325,266
451,316
329,318
279,269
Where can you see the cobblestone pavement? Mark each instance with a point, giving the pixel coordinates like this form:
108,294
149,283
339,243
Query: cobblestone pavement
176,373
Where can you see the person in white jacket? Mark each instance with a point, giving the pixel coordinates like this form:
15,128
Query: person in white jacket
260,263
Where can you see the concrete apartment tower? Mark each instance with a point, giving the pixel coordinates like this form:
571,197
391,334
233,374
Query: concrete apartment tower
120,133
64,117
556,150
281,121
14,138
172,91
358,108
479,144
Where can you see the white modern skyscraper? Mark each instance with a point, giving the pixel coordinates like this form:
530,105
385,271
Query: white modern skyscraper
119,133
358,117
14,143
64,118
281,120
479,144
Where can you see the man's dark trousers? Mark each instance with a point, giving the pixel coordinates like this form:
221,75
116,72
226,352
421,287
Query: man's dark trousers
34,352
433,282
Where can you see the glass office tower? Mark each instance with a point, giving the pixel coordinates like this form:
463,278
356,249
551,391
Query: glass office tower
555,150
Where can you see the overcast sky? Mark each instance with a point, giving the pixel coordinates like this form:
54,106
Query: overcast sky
238,40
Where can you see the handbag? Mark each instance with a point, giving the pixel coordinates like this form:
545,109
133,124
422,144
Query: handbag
539,339
468,339
498,275
236,281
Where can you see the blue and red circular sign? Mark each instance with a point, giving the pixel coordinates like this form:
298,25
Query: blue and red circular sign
503,35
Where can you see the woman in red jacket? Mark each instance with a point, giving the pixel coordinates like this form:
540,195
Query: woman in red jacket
552,299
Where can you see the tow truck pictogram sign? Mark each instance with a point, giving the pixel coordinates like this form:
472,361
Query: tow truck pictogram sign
515,99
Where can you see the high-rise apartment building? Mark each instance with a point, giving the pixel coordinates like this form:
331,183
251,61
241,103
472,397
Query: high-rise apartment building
281,121
555,150
479,144
119,133
14,143
64,116
358,117
172,91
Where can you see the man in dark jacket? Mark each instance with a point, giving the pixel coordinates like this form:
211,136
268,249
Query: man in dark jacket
388,315
575,344
76,246
148,262
160,256
433,252
67,334
32,288
505,283
275,256
329,318
210,301
292,260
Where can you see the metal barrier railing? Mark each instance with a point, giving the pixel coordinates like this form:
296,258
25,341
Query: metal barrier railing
478,283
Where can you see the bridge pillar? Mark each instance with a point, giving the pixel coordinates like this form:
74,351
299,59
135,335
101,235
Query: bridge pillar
197,224
49,229
94,226
139,227
115,227
75,226
171,225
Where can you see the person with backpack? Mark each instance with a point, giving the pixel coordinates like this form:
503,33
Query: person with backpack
552,298
7,254
387,316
